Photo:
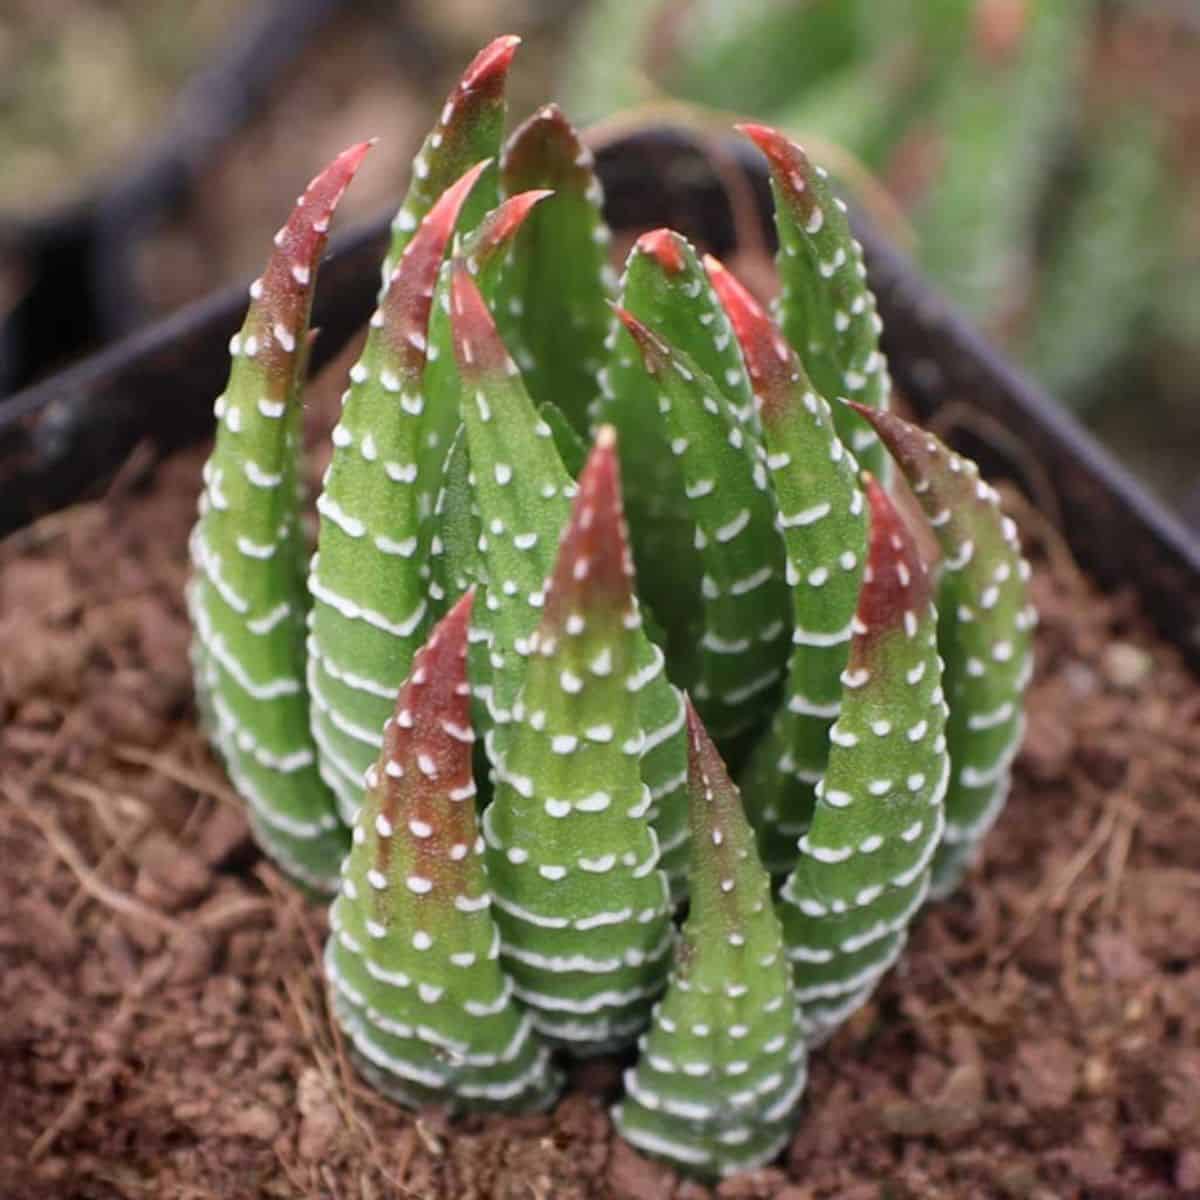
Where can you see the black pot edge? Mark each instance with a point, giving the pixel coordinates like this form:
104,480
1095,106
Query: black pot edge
61,438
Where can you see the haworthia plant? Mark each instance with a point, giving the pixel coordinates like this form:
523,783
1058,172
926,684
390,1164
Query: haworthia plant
984,634
737,661
463,957
723,1063
520,480
553,303
583,908
864,863
826,309
246,599
368,582
469,130
822,517
412,959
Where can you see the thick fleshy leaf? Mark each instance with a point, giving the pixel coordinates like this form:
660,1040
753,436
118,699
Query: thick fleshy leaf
571,850
523,492
246,597
722,1068
826,309
553,305
864,863
485,250
368,580
412,959
469,129
738,660
985,635
823,520
665,287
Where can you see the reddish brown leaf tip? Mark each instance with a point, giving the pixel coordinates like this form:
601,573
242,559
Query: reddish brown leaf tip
427,749
913,448
478,347
410,290
594,569
788,162
665,246
655,352
896,581
546,149
770,361
280,297
489,68
510,216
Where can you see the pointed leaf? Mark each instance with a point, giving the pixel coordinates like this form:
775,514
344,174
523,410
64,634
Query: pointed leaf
571,850
738,660
468,130
826,308
665,287
553,302
412,957
723,1065
985,635
864,864
246,597
368,581
824,524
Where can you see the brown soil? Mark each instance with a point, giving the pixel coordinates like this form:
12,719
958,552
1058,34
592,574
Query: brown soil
163,1030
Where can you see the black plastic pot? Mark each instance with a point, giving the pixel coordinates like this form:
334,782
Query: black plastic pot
61,440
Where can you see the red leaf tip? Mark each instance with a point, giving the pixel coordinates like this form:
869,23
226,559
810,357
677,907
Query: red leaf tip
410,289
594,569
477,344
663,245
896,581
653,348
489,67
770,361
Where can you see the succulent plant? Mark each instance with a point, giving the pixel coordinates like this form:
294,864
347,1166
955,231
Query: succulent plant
530,712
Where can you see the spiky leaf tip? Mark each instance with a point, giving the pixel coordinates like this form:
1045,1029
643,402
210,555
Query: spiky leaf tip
985,634
469,129
863,870
822,517
582,906
826,308
413,957
552,303
723,1065
368,581
737,662
246,598
485,250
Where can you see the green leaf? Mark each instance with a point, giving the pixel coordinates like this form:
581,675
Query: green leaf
985,635
246,597
412,957
721,1070
826,309
864,864
665,287
571,850
823,520
737,662
368,579
553,305
468,130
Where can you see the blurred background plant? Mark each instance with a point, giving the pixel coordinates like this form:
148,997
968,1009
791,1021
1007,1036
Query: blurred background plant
1040,158
1042,154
